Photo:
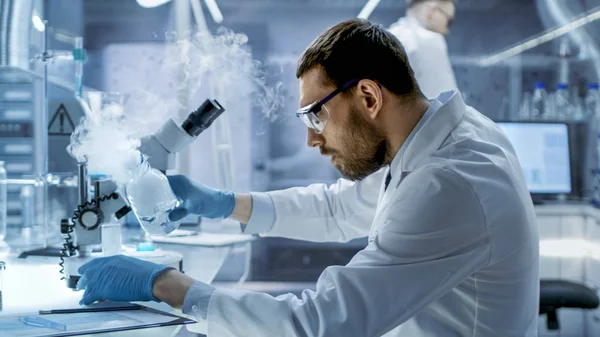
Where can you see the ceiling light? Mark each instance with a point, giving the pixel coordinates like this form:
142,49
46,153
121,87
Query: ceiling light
38,23
151,3
368,9
214,10
540,39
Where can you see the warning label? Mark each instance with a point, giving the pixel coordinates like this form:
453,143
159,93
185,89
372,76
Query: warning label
61,123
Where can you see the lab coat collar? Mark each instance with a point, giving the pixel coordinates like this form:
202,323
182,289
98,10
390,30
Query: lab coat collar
433,107
449,109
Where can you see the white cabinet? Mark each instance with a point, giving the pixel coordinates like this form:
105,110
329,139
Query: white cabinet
549,227
569,236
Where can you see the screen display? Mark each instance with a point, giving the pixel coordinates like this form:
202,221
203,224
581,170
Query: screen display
543,151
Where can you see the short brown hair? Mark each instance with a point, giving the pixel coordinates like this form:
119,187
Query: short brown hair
359,49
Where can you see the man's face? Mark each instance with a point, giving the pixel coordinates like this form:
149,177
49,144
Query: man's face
357,148
441,16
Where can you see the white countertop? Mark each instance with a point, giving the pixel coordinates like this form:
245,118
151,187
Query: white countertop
566,208
35,283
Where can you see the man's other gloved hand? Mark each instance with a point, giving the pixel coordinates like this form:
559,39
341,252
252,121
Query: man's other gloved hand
199,199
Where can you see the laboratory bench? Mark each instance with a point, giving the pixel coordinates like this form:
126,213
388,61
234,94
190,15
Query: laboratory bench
34,283
569,247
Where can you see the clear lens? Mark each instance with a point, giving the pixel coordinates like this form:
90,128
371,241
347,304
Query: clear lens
314,120
307,108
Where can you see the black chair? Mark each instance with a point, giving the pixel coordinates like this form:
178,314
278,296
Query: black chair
557,294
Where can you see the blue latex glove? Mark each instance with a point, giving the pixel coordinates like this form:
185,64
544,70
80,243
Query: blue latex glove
118,278
199,199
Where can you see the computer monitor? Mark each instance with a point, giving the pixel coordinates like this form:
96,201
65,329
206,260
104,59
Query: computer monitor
544,155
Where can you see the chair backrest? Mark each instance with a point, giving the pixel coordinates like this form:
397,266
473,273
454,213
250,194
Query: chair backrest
556,294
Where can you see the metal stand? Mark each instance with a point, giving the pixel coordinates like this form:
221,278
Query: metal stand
42,140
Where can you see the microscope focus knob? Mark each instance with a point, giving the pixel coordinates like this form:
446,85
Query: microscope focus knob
90,219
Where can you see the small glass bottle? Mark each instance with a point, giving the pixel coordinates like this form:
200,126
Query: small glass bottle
27,206
151,199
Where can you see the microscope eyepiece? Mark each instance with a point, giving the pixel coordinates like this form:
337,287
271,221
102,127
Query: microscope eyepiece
201,118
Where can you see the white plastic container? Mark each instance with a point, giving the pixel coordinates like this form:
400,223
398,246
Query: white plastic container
111,238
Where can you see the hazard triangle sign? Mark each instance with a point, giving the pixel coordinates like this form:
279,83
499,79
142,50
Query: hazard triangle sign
61,123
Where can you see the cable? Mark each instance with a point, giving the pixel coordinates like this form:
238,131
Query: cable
69,249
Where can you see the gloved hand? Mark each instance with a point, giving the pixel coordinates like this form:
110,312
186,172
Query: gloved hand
199,199
118,278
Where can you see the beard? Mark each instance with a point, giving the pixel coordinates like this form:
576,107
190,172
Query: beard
365,149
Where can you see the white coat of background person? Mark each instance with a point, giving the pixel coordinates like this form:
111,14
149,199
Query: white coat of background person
422,32
453,247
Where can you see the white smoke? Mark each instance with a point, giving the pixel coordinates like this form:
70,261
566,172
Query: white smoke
104,141
222,67
200,66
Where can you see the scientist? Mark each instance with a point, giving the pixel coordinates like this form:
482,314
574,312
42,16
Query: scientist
422,32
435,185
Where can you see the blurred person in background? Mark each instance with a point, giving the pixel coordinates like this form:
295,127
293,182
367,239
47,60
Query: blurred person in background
422,32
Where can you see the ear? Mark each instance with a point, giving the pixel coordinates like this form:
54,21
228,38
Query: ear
371,97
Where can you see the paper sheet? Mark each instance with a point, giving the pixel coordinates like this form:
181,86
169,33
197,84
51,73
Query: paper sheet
203,239
84,322
16,328
75,322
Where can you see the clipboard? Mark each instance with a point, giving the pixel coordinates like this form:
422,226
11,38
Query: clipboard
91,322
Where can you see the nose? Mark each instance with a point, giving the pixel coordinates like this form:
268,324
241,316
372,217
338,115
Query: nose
314,139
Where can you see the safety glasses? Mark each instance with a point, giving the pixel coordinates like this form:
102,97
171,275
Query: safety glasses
449,18
316,115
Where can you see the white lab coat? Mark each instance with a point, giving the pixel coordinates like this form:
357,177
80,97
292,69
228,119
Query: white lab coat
452,249
428,56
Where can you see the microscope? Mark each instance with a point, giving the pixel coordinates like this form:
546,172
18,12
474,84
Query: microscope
83,232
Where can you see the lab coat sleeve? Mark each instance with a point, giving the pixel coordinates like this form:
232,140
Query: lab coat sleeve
432,239
337,213
263,214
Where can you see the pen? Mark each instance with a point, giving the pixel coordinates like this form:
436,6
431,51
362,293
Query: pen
43,323
92,309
